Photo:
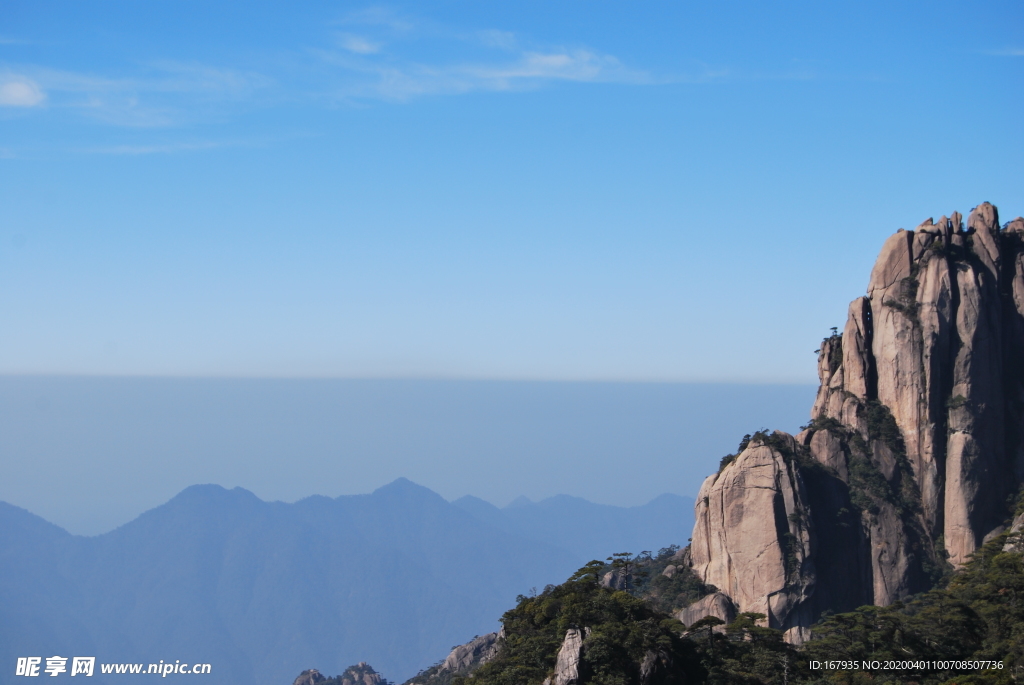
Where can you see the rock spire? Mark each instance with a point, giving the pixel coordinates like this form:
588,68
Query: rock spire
915,445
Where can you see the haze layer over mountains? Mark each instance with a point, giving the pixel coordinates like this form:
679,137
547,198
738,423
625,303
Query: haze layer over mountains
92,453
219,576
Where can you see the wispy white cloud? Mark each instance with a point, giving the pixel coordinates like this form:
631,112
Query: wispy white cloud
358,44
397,80
390,25
563,65
503,40
190,77
168,146
162,77
397,56
383,17
159,149
20,91
166,94
1007,52
374,54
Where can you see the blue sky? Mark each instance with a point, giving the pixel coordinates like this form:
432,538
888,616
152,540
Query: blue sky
667,191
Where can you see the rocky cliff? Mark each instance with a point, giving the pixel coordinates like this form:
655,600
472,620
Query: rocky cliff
359,674
915,445
464,658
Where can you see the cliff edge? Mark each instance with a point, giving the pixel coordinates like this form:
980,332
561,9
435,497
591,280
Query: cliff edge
915,445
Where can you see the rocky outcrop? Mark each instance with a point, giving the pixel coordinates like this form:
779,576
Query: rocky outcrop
751,541
310,677
938,342
915,444
716,604
656,665
473,654
567,664
360,674
616,580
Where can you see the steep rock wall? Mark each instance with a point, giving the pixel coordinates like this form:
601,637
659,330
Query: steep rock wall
938,342
750,540
915,445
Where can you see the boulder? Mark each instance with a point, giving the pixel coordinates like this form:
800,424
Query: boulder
715,604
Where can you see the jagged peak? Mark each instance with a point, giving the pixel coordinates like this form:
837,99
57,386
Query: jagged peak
910,420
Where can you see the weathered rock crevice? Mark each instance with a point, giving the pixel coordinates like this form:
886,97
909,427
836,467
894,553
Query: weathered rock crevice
568,663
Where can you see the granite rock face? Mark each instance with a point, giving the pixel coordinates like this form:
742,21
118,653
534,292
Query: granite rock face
938,342
567,665
616,580
361,674
1015,540
750,540
473,654
716,604
916,440
310,677
654,667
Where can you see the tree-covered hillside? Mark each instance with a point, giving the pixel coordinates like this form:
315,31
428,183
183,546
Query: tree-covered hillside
628,637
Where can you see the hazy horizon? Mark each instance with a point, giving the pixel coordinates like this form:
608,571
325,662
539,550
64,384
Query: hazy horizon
91,453
520,500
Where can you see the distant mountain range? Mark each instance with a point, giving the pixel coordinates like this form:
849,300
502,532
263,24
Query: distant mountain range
587,530
262,590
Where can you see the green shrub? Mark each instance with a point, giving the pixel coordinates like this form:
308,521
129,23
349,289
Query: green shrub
956,402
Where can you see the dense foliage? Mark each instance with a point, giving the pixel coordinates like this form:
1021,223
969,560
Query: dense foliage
745,653
623,629
668,593
977,615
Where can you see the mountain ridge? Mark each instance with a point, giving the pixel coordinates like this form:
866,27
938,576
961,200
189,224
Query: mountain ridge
217,575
